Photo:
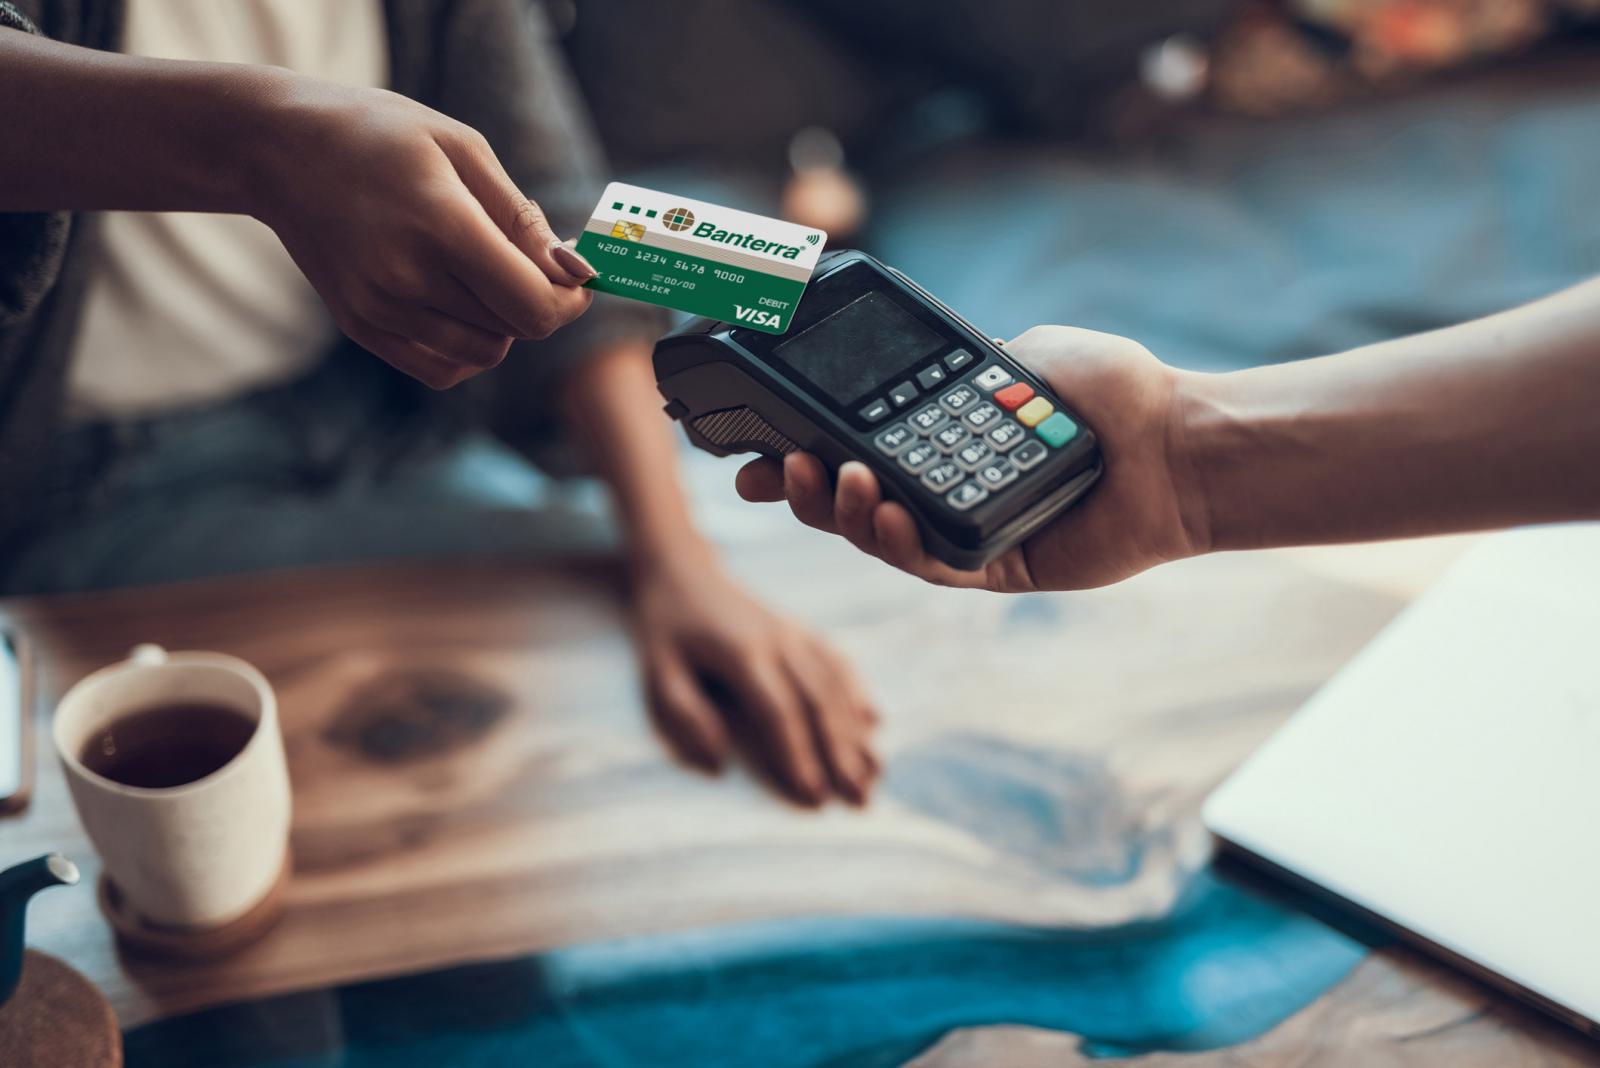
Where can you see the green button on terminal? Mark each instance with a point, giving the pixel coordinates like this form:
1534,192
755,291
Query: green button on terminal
1057,430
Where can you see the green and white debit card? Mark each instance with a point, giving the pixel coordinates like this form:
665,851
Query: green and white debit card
700,258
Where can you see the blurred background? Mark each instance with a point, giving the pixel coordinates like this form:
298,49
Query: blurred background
1228,181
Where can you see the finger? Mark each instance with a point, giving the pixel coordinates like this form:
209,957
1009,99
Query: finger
449,296
805,484
573,262
896,534
857,696
409,357
901,546
501,277
518,218
450,338
1041,348
782,728
854,500
839,737
684,714
509,285
760,481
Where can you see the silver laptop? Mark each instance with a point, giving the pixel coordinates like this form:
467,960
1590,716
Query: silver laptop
1447,780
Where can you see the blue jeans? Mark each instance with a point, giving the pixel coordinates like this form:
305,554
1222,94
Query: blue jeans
338,466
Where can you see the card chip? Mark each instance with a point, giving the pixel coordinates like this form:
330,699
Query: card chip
628,231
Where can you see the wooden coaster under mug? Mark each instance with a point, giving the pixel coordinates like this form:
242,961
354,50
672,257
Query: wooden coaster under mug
192,943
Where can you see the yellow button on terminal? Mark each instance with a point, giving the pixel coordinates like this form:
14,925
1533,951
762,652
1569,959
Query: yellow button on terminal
1035,412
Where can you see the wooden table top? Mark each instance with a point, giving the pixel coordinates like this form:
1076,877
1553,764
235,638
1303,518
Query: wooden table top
539,811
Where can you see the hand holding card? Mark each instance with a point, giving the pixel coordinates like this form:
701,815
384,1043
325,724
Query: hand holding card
425,251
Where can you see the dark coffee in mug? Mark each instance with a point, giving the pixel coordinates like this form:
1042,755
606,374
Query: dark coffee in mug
167,745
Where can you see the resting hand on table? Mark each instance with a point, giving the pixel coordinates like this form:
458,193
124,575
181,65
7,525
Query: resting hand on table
718,663
1132,520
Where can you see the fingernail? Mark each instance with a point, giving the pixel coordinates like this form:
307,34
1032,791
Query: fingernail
573,263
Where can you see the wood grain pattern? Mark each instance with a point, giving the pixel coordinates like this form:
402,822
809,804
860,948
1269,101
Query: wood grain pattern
474,776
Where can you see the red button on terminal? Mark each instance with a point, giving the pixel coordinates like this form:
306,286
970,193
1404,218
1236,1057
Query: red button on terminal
1013,397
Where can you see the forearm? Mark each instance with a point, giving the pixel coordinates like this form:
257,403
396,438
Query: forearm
1486,424
90,130
610,403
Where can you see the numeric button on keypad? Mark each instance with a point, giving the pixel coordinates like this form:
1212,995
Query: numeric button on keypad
997,474
992,378
918,456
896,438
1005,437
1028,455
928,419
981,416
941,476
950,436
966,496
959,399
974,454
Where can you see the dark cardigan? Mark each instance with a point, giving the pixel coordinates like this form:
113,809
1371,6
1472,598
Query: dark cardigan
489,63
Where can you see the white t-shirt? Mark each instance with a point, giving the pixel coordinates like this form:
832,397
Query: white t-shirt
183,308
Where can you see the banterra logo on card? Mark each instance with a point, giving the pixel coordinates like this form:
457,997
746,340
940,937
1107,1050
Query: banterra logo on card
700,258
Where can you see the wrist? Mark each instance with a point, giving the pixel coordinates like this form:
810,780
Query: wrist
670,557
223,138
273,111
1195,424
1258,453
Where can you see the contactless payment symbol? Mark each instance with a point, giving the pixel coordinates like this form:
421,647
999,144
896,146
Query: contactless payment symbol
678,219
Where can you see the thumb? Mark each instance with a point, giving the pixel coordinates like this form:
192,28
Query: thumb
1048,350
520,219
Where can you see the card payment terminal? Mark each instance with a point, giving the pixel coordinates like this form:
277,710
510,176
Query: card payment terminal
874,368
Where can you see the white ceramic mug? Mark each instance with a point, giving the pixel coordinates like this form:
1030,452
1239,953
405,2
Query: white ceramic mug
203,853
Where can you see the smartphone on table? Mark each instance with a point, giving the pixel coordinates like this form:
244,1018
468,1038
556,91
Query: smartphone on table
16,716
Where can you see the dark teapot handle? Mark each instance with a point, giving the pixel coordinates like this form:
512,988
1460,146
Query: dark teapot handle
17,885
